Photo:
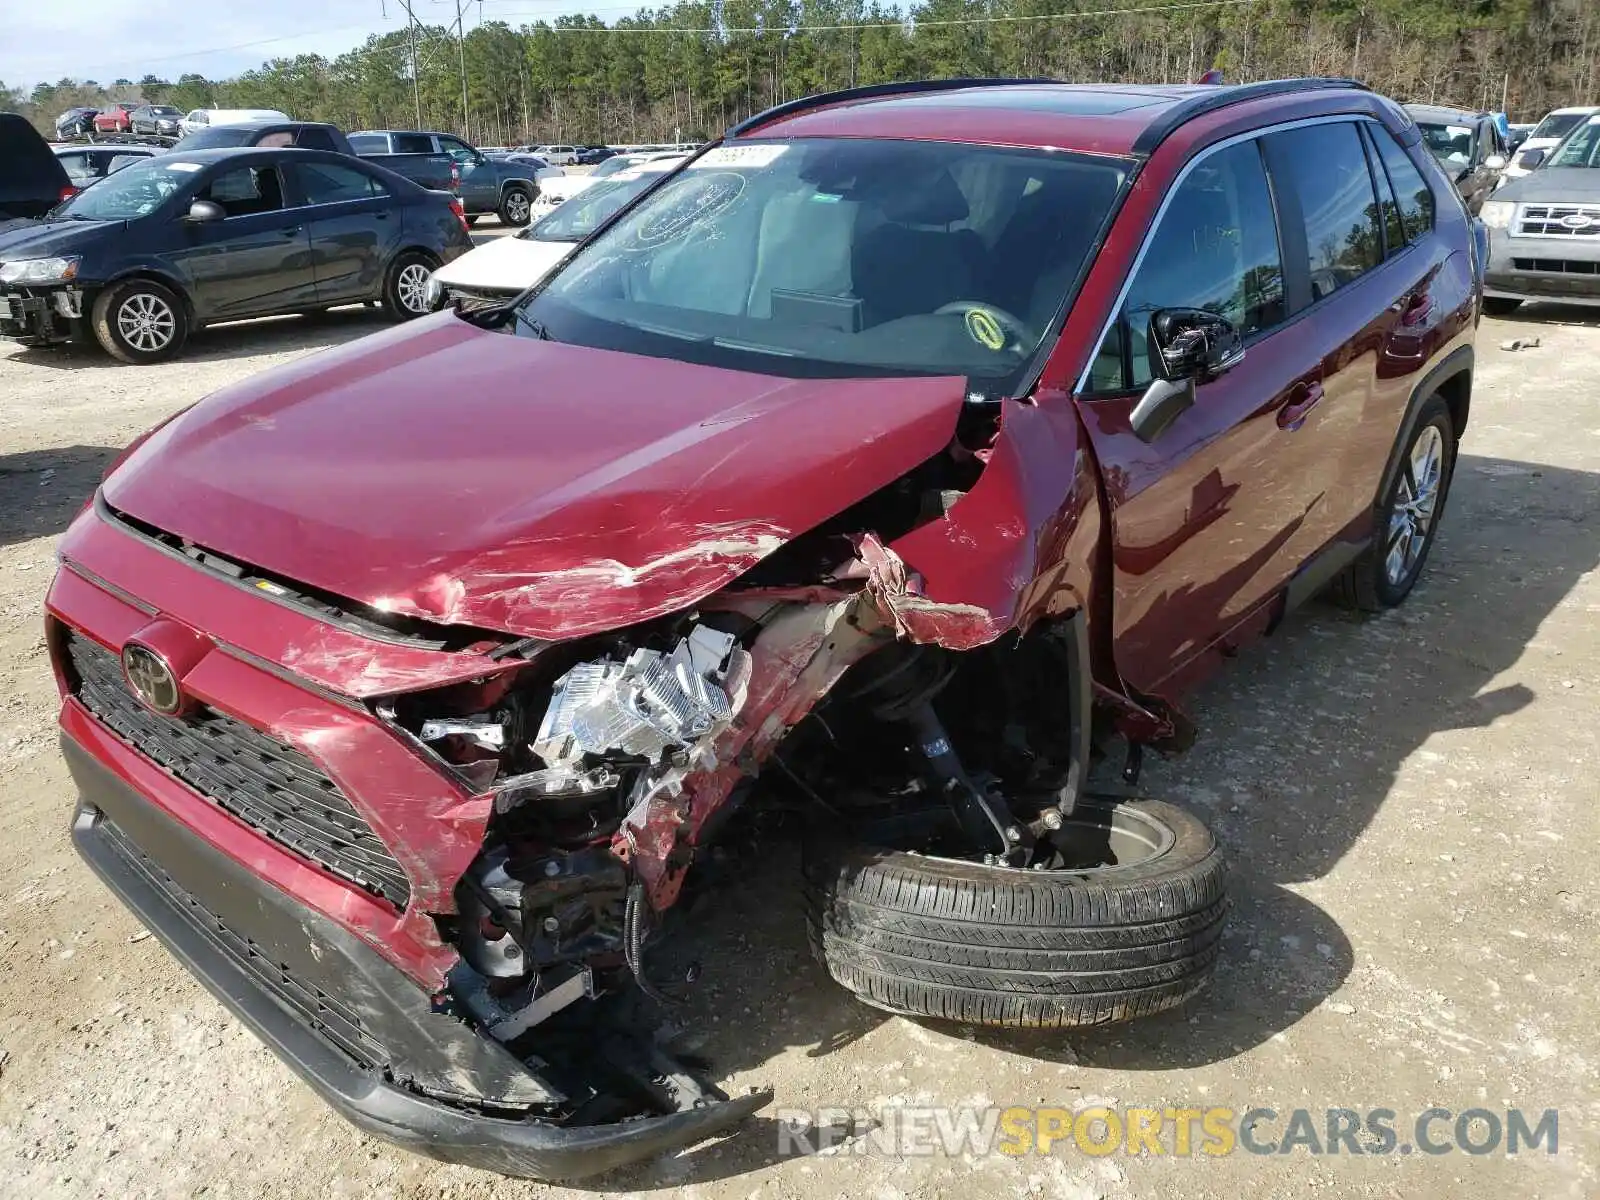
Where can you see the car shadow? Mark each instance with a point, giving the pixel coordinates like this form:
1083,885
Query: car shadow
1554,312
219,343
42,490
1301,743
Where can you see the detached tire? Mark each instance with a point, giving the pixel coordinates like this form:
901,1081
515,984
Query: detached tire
959,941
140,321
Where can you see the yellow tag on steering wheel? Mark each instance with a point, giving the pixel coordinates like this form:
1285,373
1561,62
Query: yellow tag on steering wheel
985,329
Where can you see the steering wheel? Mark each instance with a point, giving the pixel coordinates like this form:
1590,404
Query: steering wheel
992,328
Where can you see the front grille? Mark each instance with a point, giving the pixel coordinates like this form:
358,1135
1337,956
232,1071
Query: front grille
1557,266
270,786
1552,221
334,1021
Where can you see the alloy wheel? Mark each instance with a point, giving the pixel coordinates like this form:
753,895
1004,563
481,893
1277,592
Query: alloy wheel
1416,501
517,208
412,287
146,322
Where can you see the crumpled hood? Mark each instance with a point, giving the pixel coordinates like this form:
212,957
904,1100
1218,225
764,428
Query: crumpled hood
446,472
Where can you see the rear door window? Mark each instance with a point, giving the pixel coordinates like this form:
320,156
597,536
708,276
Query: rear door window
369,143
314,137
1325,169
410,143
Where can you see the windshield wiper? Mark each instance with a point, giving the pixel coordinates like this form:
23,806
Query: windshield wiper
536,327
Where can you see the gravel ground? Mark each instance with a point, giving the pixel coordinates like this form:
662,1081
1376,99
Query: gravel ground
1410,803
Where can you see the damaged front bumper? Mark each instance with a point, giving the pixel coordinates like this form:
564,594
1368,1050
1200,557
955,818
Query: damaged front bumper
379,1054
41,314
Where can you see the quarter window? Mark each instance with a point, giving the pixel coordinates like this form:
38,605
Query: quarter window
1411,191
1328,172
1216,248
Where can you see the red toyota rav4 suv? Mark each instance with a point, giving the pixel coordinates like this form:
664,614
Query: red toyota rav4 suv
911,442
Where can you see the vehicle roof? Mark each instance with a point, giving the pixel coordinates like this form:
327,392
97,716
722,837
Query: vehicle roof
1442,112
1574,108
1105,118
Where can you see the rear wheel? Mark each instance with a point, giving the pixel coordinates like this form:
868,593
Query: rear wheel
405,289
1408,517
516,206
1134,933
140,321
1500,306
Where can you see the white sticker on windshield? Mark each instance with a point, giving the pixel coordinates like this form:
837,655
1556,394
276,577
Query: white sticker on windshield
182,166
760,155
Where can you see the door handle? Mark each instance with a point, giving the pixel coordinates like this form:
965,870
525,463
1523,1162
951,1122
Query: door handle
380,216
1302,400
293,231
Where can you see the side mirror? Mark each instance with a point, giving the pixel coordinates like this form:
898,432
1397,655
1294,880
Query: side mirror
203,212
1495,162
1193,343
1529,160
1188,346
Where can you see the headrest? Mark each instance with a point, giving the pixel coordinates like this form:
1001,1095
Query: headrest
931,199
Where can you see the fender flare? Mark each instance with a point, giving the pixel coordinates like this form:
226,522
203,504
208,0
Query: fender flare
165,279
1458,362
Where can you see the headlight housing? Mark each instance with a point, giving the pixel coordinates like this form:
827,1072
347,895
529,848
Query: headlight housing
433,291
1496,214
40,270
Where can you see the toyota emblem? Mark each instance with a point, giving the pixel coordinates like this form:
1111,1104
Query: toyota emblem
151,679
1578,221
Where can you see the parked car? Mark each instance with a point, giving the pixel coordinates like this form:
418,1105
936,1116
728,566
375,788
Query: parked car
114,118
75,123
1467,144
158,120
32,179
1547,135
906,448
1546,239
205,118
558,156
149,254
85,164
486,185
437,172
541,169
594,155
1518,137
505,267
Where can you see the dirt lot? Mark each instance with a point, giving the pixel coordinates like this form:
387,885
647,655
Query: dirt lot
1411,806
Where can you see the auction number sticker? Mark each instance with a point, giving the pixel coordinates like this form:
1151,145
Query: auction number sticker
762,154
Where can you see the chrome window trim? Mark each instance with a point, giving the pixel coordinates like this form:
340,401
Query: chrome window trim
1082,387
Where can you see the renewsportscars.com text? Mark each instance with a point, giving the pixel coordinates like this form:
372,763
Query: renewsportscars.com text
1214,1132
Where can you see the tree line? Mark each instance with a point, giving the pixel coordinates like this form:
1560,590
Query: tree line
690,70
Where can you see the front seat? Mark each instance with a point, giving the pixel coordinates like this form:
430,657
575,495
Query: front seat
911,261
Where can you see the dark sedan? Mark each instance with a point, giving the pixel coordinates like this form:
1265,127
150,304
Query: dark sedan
162,247
75,123
158,119
1545,240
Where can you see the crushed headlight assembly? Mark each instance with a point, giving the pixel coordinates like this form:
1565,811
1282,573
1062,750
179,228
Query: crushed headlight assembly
645,705
433,291
40,270
1496,214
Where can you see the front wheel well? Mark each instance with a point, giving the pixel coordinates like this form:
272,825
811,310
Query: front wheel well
165,281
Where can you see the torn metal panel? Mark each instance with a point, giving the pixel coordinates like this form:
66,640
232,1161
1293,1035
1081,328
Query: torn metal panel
800,654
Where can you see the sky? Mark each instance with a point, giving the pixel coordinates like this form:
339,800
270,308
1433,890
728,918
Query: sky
104,40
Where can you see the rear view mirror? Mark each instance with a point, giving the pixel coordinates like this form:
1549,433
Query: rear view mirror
1193,343
1528,160
203,212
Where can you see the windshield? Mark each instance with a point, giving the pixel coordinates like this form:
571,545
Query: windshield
134,191
163,110
1449,143
1581,149
1557,125
577,218
215,138
617,162
848,257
